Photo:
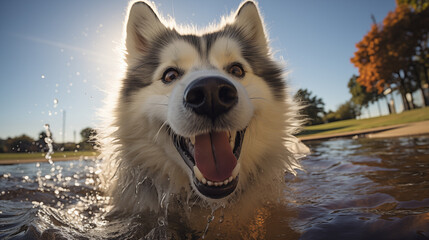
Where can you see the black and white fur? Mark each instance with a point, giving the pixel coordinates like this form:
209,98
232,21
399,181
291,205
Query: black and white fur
143,170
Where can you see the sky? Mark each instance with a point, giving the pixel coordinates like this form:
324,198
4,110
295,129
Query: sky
59,56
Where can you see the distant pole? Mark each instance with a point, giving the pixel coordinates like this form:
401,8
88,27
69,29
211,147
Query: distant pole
74,136
64,126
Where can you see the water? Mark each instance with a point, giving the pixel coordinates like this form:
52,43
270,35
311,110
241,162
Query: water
48,141
351,189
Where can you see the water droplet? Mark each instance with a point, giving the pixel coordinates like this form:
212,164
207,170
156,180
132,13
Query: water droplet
209,220
161,221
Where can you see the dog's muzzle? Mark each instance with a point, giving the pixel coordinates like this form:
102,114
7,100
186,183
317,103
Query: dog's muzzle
212,156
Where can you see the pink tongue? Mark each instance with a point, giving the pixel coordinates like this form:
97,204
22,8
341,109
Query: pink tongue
214,157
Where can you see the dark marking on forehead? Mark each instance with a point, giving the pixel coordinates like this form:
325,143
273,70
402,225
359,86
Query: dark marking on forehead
259,59
141,75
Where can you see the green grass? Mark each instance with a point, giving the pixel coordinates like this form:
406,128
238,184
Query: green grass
417,115
16,156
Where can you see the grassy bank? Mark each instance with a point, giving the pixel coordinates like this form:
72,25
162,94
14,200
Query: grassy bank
352,125
57,155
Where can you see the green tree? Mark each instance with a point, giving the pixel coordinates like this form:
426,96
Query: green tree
417,5
88,138
348,110
87,134
21,143
313,106
3,147
360,94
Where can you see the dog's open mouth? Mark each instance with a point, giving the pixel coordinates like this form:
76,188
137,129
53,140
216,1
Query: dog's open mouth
213,158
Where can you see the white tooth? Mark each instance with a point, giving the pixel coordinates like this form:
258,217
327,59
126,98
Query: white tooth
225,182
216,184
192,140
204,180
210,183
232,140
198,174
230,179
236,170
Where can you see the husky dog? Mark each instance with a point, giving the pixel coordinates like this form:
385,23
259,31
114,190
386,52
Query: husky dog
201,116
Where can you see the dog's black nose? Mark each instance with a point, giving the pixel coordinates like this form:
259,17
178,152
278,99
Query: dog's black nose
210,96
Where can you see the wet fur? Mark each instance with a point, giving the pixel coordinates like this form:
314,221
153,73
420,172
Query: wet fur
142,169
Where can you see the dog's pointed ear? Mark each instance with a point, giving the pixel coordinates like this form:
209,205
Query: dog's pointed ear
249,20
143,26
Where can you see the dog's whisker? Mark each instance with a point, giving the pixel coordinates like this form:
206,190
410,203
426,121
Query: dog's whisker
155,138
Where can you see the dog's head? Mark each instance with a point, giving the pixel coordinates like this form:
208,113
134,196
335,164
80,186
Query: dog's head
216,95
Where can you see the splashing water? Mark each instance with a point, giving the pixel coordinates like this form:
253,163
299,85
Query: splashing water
348,185
210,218
48,140
55,102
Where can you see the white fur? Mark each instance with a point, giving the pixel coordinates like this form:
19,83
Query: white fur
142,168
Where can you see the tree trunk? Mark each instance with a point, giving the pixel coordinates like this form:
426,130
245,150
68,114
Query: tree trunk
405,102
424,100
403,90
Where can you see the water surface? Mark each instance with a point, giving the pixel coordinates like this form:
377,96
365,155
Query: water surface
351,189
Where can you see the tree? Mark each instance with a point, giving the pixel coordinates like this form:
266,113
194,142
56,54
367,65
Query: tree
87,134
88,138
41,143
348,110
21,143
3,147
313,106
360,95
392,53
417,5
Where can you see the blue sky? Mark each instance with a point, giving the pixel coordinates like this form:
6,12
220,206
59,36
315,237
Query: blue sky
69,51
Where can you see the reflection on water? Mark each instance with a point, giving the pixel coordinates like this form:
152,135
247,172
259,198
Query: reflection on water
351,189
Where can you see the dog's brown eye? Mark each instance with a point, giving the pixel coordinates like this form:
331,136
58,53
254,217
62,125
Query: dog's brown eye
236,70
170,75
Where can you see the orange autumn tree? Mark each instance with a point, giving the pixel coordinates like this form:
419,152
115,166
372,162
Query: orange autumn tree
393,54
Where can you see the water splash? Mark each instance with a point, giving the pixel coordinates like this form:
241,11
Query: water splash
210,218
55,102
48,141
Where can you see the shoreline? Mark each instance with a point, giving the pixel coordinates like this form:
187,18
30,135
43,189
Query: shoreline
44,160
400,130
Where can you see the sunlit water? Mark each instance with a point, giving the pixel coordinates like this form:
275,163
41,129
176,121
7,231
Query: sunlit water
352,189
